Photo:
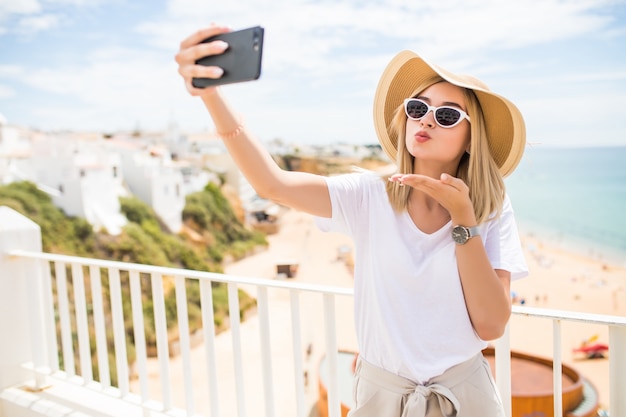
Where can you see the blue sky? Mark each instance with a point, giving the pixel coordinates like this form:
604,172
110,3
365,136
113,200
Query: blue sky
108,65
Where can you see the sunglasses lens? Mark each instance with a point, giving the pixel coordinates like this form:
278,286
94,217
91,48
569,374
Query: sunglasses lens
416,109
447,116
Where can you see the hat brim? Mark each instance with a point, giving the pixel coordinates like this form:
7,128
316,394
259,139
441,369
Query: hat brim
506,131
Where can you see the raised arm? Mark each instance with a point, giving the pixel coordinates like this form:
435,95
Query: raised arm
302,191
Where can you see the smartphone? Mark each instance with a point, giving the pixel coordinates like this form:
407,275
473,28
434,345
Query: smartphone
241,61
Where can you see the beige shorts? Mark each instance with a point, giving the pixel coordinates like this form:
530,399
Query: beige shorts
465,390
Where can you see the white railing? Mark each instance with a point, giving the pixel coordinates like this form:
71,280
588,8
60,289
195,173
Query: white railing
52,305
45,361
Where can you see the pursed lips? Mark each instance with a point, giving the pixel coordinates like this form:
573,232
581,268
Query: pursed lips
422,136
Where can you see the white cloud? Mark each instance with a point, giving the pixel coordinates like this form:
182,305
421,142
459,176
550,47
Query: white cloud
123,83
76,2
300,35
10,70
33,16
6,92
10,7
33,24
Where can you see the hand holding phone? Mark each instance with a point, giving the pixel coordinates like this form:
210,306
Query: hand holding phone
241,61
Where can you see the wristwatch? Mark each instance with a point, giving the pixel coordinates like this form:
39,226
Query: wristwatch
461,234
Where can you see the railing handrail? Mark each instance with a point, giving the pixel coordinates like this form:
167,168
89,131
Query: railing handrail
590,318
188,273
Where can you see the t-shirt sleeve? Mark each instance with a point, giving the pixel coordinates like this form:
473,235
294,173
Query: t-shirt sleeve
346,196
503,244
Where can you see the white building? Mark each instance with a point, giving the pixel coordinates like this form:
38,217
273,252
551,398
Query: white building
15,145
85,175
155,179
83,179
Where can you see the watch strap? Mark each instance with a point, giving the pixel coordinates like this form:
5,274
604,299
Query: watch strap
473,231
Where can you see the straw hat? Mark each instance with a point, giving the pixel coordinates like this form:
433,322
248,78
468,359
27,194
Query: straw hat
506,131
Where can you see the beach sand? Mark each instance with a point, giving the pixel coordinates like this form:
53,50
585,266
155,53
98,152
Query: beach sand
558,280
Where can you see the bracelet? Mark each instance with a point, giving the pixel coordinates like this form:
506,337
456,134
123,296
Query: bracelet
232,134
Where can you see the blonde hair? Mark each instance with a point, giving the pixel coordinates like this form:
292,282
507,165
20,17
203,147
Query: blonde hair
477,169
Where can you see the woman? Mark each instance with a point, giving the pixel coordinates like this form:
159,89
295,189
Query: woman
436,243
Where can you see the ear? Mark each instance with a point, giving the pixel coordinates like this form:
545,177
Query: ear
468,148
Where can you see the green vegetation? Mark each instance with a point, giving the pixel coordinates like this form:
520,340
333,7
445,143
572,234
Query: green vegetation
207,215
60,234
210,215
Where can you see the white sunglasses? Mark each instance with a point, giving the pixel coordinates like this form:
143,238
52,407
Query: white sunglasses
445,116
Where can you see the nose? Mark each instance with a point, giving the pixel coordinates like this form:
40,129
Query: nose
429,119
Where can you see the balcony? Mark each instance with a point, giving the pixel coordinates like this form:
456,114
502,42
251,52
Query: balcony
51,304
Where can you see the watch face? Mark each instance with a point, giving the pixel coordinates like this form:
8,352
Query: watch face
460,234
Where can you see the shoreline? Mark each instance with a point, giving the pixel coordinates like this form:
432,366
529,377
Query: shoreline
557,240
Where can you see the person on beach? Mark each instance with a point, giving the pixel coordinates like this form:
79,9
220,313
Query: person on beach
436,243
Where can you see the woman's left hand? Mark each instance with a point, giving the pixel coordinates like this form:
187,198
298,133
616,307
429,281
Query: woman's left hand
452,193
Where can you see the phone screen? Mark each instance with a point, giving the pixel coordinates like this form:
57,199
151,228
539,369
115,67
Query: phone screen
241,61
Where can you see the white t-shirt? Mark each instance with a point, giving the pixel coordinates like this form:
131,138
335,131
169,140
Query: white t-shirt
410,313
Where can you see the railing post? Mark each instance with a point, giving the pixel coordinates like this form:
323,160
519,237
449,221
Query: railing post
21,316
503,369
235,330
330,318
557,368
617,370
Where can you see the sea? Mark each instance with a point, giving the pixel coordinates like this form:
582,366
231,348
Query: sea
573,198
